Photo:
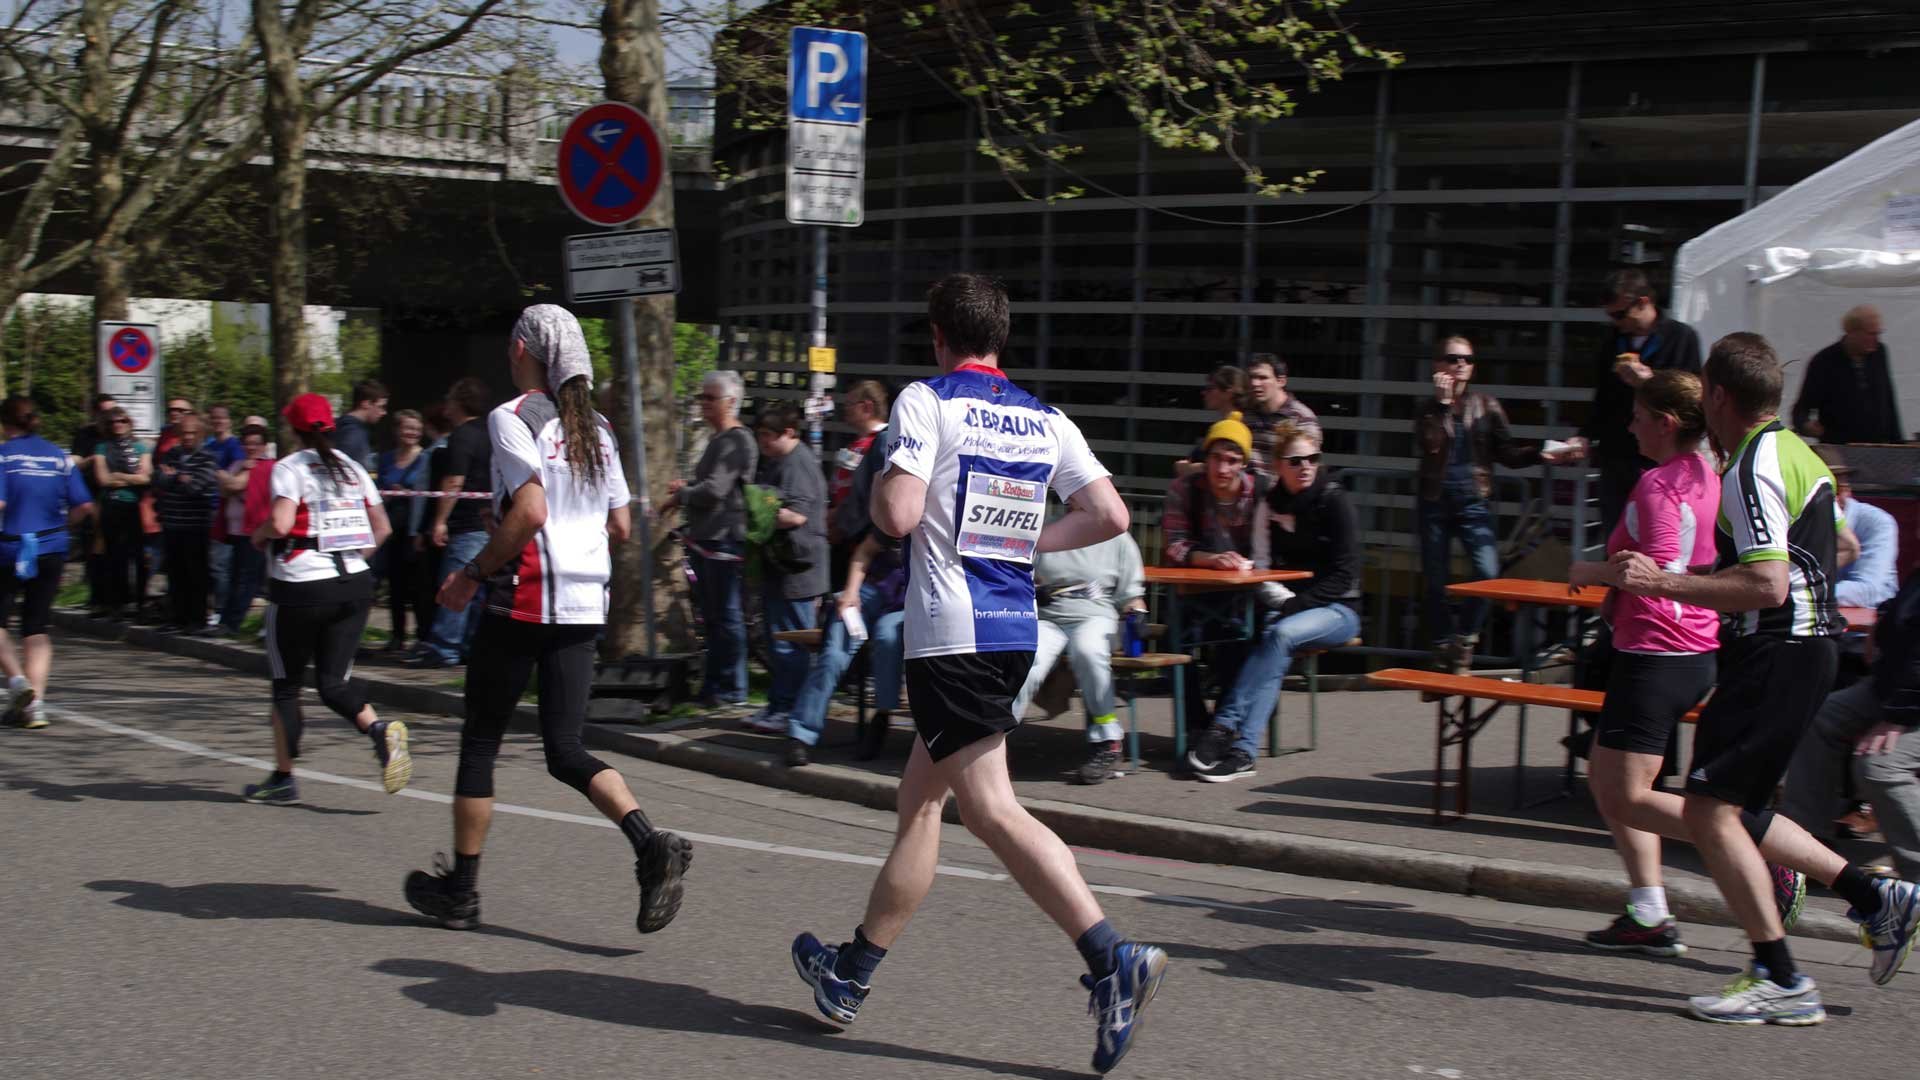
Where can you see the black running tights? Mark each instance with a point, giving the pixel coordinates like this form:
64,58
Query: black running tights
326,634
504,655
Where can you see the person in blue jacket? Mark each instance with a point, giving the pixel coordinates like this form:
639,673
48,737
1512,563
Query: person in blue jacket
41,493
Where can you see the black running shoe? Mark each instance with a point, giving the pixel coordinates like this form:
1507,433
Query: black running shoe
1103,764
434,896
1211,748
1628,934
1236,765
659,870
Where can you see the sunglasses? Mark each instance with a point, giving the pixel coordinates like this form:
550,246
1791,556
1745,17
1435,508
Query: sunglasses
117,423
1621,312
177,409
706,397
1302,460
1457,358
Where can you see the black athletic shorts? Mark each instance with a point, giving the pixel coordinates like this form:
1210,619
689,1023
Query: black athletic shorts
36,594
1647,696
959,700
1770,689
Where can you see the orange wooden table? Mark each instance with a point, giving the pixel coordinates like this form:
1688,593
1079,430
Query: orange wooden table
1195,578
1513,592
1191,579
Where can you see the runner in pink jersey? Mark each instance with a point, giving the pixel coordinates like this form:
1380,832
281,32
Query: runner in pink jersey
1663,651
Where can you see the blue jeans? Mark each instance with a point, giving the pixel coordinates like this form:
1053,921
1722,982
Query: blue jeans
786,662
1256,691
453,629
1464,514
220,569
718,583
836,654
246,566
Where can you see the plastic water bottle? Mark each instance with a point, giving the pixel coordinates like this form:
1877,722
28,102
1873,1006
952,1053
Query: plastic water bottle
1131,642
27,563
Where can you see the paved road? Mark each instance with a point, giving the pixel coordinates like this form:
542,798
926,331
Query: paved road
157,927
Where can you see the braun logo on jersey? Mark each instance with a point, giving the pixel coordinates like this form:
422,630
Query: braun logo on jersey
1009,423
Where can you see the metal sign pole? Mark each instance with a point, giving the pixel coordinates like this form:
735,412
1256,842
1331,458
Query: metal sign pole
637,434
817,303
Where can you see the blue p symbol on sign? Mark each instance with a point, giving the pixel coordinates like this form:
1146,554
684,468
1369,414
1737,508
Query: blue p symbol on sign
827,75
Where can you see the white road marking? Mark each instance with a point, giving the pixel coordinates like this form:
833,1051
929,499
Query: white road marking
185,747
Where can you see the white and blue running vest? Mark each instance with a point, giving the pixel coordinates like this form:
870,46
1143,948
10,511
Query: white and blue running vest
988,452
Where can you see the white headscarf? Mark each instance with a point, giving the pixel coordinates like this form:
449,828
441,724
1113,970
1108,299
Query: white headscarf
553,337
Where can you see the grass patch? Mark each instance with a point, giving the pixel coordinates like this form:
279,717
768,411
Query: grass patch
71,595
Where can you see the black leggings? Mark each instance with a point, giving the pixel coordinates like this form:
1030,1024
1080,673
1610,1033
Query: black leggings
504,655
327,634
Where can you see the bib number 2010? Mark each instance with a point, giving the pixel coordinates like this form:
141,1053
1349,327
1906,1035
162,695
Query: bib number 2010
344,525
1000,518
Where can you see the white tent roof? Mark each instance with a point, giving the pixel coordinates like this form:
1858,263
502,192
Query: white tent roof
1792,266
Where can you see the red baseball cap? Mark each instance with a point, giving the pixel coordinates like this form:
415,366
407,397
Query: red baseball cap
309,412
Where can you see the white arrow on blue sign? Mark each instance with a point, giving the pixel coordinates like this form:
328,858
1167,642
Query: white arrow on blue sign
827,75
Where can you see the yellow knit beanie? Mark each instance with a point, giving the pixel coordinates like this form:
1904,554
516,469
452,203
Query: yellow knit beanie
1234,431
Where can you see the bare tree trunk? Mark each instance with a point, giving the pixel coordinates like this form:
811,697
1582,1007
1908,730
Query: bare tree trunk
107,146
633,62
288,124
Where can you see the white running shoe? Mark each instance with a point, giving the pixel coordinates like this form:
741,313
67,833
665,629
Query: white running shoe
1890,932
767,722
1753,998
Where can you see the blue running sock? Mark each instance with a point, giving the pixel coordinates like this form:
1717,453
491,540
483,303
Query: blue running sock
1096,948
278,777
858,959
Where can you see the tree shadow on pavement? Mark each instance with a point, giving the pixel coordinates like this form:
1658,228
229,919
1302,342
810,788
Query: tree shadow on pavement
614,999
1356,969
272,900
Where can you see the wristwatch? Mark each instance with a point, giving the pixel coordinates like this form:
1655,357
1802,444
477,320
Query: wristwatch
472,570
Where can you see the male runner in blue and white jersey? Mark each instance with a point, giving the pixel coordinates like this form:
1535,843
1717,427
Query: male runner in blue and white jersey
970,458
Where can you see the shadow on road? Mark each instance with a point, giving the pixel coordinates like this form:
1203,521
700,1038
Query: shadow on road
154,791
268,900
1358,969
614,999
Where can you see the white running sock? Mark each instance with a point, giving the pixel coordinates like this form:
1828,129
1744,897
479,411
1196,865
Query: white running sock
1648,906
16,682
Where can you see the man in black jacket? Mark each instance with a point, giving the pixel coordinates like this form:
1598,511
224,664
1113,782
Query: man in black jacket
1644,341
1847,396
1870,728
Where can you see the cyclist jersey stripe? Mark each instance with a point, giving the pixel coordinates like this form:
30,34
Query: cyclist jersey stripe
1777,505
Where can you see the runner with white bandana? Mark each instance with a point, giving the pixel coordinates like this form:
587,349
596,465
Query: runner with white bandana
559,497
970,458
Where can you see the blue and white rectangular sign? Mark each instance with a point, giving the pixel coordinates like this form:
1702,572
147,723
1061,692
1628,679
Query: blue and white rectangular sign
827,75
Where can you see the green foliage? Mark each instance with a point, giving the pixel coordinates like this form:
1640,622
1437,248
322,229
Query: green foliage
359,359
1193,74
695,352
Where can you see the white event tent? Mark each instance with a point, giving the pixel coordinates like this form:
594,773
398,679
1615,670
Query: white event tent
1792,266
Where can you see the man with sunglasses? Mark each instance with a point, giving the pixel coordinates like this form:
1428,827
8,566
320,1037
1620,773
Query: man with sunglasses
1460,434
1643,341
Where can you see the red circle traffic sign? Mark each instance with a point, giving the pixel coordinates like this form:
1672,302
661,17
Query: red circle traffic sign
130,350
610,163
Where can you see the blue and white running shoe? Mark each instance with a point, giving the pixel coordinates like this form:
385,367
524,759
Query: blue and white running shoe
1890,932
1120,1000
838,999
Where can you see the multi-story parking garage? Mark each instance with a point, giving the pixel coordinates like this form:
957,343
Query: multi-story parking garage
1485,187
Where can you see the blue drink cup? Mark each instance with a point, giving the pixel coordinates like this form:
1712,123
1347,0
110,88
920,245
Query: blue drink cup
1130,640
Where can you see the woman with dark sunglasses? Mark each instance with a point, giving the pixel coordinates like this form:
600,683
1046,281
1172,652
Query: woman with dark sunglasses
122,469
1306,522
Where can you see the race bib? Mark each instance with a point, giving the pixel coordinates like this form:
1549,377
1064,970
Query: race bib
343,526
1001,518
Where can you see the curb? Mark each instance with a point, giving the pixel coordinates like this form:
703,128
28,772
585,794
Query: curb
1547,885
